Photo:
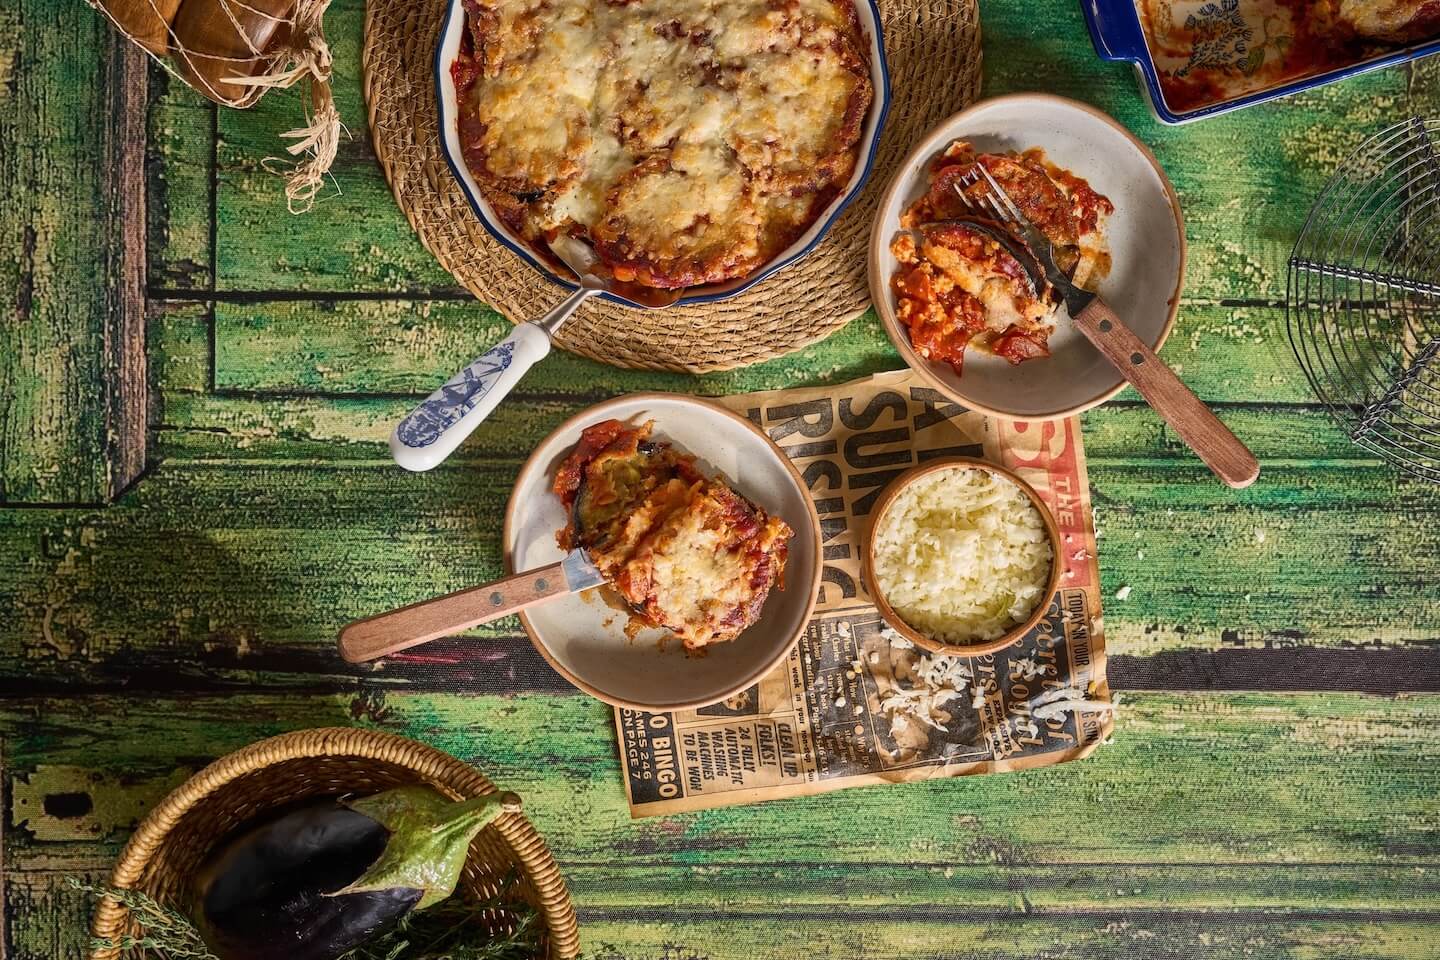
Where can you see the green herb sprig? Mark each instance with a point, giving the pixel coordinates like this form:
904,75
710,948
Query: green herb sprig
448,931
166,932
452,930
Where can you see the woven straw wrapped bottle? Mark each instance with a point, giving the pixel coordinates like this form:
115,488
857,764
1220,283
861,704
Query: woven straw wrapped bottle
163,855
232,51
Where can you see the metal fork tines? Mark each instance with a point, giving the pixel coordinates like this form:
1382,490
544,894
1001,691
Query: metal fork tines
994,199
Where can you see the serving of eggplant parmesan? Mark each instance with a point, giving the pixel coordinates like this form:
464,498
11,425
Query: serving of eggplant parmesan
1208,54
958,288
685,552
688,141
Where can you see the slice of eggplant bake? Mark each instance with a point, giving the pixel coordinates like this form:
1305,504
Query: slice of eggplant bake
685,552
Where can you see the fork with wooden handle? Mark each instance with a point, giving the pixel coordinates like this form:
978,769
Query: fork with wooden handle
1196,424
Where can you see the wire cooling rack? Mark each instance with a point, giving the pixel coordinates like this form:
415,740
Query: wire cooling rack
1363,300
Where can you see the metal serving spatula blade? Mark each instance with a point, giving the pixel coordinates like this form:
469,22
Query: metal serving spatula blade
433,430
438,617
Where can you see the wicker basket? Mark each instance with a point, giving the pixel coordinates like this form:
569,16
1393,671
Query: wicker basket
163,855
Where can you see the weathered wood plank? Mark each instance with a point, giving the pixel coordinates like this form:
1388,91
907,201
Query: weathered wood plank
126,392
47,919
4,889
1423,90
354,429
1228,354
238,572
718,930
355,238
402,347
1320,831
72,416
1368,757
953,932
180,352
179,167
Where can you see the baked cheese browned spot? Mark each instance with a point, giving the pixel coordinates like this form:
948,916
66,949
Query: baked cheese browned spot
1396,21
802,100
680,221
691,140
523,137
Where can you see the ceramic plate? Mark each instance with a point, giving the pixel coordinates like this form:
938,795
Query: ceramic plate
1145,234
583,637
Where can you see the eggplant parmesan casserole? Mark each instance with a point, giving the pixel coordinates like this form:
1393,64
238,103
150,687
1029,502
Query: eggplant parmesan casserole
1211,53
690,141
685,552
958,287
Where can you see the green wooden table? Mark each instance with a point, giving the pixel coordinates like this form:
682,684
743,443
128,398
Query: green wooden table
194,399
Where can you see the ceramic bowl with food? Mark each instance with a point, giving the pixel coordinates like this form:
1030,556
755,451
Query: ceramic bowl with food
962,557
1140,266
672,94
590,638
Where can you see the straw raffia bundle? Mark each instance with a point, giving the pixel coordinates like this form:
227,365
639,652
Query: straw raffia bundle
232,51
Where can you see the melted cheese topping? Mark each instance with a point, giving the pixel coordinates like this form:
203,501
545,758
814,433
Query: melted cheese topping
1398,21
684,551
697,576
690,140
960,288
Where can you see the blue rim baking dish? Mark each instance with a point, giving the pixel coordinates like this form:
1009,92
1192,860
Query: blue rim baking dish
1118,33
448,46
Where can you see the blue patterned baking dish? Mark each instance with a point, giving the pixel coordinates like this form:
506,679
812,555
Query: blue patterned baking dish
448,46
1199,58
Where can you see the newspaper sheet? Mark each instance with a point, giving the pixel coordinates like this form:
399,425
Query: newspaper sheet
854,704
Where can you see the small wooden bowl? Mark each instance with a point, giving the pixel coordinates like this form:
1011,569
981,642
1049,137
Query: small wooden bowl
898,623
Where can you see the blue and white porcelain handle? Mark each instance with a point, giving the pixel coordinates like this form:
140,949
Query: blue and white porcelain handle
434,429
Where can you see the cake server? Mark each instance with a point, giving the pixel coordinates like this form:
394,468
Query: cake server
433,430
427,620
387,633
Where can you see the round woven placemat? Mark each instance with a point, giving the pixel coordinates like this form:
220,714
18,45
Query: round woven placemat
933,48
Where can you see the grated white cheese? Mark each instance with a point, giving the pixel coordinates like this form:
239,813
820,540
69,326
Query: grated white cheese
1027,669
924,697
896,641
962,555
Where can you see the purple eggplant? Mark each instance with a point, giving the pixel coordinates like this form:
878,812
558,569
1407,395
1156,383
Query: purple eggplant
318,880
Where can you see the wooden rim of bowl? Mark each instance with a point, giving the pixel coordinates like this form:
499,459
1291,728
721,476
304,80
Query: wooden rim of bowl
896,622
598,412
880,286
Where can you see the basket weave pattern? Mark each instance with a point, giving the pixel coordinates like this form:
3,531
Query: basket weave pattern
933,49
166,850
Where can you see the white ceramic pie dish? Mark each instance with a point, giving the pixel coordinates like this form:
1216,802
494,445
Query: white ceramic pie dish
448,47
583,637
1146,237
